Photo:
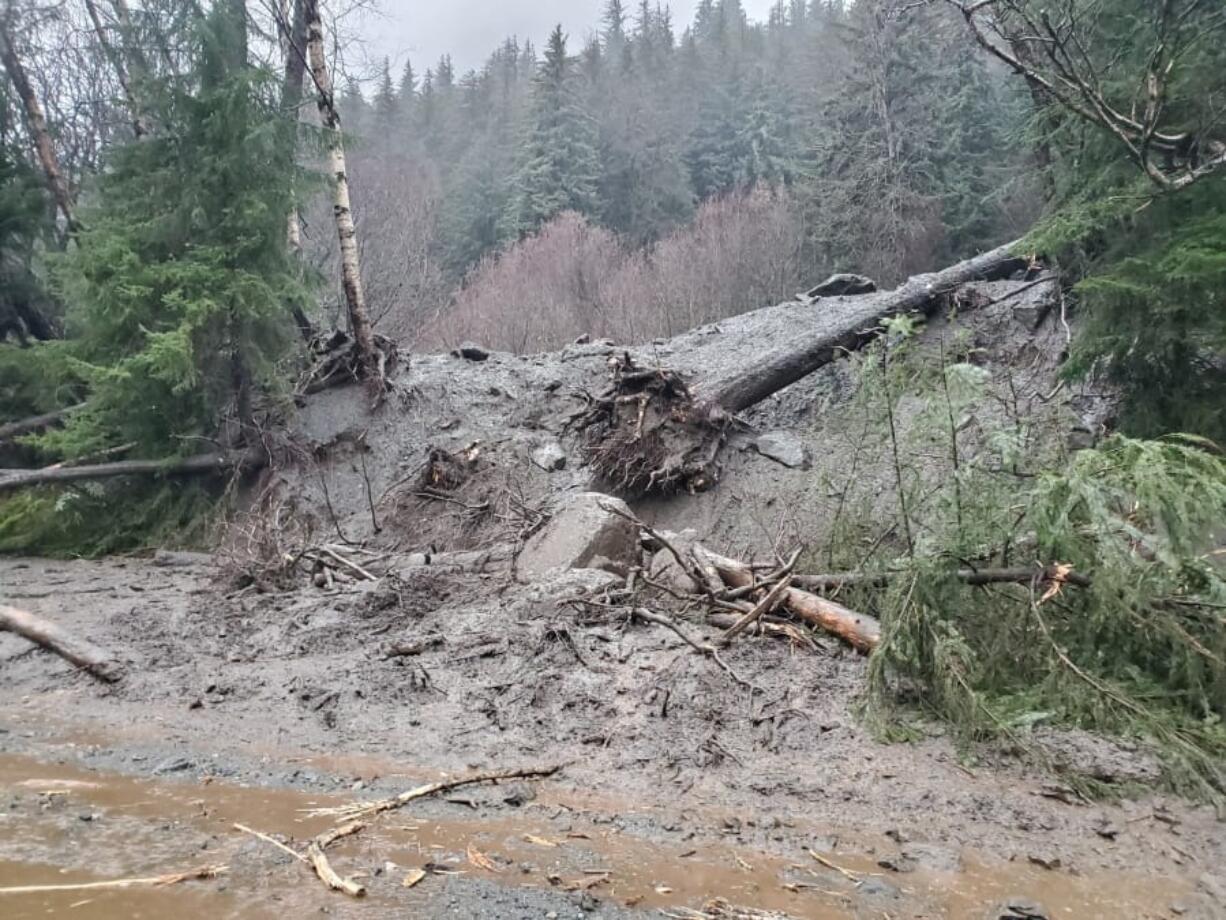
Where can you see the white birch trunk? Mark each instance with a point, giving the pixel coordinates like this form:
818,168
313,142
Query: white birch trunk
351,274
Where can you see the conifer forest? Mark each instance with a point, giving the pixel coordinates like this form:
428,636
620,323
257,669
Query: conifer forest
726,461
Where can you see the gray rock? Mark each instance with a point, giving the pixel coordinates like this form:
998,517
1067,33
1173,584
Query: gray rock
785,448
581,532
873,887
843,285
550,457
470,351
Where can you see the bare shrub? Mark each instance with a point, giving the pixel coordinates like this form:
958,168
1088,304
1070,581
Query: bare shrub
742,251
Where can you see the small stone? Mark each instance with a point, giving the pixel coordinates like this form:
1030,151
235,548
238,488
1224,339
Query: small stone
470,351
550,457
173,765
418,559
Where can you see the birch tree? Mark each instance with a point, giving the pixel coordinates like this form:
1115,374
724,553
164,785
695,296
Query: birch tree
351,269
36,121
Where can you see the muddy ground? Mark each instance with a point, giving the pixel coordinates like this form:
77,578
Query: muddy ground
678,783
255,703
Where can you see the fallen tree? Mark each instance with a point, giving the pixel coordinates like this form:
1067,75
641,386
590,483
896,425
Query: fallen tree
200,465
33,424
85,655
652,431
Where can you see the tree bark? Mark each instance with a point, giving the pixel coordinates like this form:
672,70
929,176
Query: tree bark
351,272
35,423
37,124
85,655
748,386
202,465
115,56
856,629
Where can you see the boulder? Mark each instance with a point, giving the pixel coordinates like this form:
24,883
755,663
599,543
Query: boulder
844,285
785,448
582,534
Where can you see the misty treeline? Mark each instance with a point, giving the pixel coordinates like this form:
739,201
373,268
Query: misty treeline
655,173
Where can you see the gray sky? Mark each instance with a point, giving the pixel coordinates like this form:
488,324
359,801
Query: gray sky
470,29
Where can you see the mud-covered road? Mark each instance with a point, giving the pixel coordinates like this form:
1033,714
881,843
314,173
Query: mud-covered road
677,787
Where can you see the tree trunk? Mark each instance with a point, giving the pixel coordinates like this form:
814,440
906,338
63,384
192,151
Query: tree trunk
294,46
116,57
747,386
202,465
351,273
83,654
858,630
36,423
654,432
37,124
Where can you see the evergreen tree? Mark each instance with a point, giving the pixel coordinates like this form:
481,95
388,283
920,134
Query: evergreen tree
179,283
386,105
559,167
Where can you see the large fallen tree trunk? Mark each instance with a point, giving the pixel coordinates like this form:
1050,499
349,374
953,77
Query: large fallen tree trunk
201,465
652,431
83,654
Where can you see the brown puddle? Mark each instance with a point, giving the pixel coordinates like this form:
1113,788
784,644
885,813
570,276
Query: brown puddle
144,827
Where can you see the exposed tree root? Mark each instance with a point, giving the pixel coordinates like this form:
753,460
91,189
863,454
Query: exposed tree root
643,434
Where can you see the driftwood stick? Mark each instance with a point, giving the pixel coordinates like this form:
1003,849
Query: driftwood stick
370,809
85,655
764,606
319,860
274,841
157,881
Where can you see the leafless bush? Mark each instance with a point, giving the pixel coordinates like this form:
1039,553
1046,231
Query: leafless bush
742,251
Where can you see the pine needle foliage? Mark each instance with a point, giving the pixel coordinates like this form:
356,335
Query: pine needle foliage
179,283
1129,639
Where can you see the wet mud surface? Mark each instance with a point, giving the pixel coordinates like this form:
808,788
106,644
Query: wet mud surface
677,786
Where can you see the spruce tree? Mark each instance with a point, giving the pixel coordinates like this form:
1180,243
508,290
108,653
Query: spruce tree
559,167
179,283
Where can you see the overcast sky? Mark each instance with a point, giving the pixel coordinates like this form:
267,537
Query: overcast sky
470,29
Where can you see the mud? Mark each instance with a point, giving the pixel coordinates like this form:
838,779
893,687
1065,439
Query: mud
676,783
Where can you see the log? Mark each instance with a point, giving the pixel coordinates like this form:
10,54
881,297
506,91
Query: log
201,465
747,386
1019,575
85,655
35,423
652,431
856,629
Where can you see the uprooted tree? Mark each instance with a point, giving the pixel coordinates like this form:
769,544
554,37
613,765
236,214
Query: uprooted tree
652,431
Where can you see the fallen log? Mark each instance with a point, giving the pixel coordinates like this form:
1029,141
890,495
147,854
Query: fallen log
856,629
652,431
1019,575
200,465
35,423
85,655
